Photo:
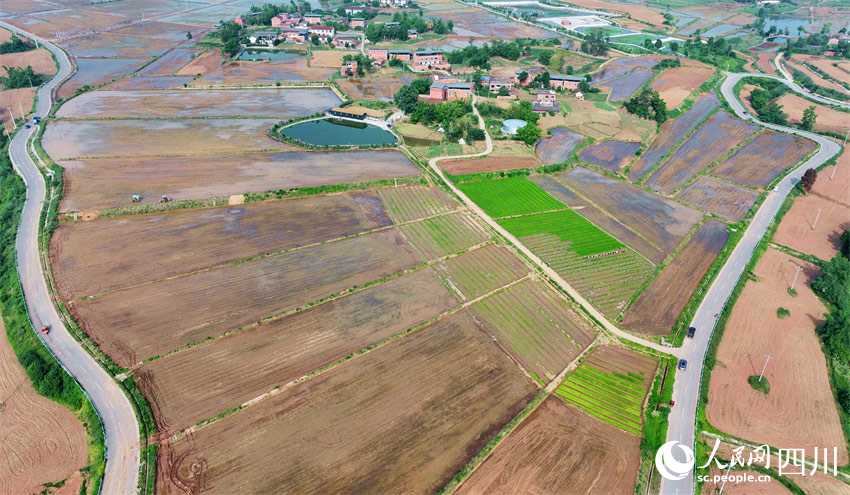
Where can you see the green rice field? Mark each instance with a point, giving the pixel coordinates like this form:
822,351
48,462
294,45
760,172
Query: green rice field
443,235
511,196
583,237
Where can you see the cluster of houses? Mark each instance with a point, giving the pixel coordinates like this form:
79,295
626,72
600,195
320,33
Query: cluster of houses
425,59
298,28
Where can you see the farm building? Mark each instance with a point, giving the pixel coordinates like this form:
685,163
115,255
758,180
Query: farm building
313,19
349,114
262,37
545,101
448,91
327,31
558,81
358,22
430,59
346,42
403,55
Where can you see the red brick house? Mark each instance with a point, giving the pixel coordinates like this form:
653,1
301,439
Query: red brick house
357,22
558,81
442,91
430,59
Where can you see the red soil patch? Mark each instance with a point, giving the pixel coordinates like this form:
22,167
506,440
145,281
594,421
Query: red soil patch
40,61
800,411
486,164
205,63
558,449
676,84
827,118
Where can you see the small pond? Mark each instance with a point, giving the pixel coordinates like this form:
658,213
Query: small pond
785,22
251,54
339,132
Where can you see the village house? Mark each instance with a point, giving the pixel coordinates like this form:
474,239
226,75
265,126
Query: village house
430,59
349,68
295,35
288,20
412,34
263,38
357,22
558,81
322,31
546,101
494,84
441,91
355,10
532,72
378,54
313,19
395,4
403,55
346,42
240,20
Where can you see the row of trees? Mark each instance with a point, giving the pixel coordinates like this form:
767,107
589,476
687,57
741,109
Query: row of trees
380,31
763,101
596,43
16,45
649,105
229,33
480,56
20,77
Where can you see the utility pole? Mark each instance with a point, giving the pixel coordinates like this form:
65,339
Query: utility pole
21,108
795,276
816,218
835,167
725,477
13,117
769,357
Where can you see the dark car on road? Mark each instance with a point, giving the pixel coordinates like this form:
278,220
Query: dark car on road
683,364
691,332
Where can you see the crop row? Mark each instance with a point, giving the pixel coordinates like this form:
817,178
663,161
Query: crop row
410,203
510,196
583,237
611,396
439,236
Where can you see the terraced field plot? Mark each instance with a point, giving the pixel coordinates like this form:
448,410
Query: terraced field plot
626,86
480,271
104,183
714,139
596,264
404,204
764,158
511,196
671,133
169,63
149,82
251,73
558,147
662,222
656,310
105,254
538,326
610,155
368,425
440,236
96,71
119,46
621,67
251,362
727,200
611,385
676,84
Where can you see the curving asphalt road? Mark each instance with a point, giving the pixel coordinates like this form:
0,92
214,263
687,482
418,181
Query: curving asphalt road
687,387
119,420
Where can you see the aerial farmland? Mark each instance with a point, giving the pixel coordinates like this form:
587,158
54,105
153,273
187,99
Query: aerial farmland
421,247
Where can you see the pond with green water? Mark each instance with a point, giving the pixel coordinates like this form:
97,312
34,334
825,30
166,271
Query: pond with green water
339,132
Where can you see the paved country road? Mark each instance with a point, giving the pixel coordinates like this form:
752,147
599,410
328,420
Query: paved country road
119,420
687,386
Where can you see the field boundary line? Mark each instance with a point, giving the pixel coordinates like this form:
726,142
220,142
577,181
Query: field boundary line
271,254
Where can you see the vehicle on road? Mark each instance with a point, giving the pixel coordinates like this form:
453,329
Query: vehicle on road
672,403
45,329
691,332
683,364
27,126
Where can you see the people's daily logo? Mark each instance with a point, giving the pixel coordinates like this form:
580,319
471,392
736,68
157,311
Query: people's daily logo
669,467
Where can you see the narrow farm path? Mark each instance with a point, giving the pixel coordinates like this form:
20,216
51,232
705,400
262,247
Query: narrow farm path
552,274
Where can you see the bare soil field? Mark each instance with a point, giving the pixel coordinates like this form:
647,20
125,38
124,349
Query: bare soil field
661,221
671,133
756,487
537,326
558,449
205,63
676,84
764,158
765,63
52,20
796,63
714,139
478,23
96,71
367,425
727,200
162,30
40,60
207,303
150,82
637,12
114,45
110,183
828,119
611,155
589,119
80,251
803,410
269,72
558,147
169,63
381,88
796,232
841,72
486,164
151,138
407,203
16,99
327,58
656,310
200,103
43,442
292,346
624,87
599,218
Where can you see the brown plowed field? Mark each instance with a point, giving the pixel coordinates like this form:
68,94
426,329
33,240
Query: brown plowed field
42,441
676,84
559,450
832,197
403,418
380,88
755,487
105,183
251,362
169,63
200,103
765,63
800,411
659,306
764,158
205,63
661,221
840,73
134,324
40,60
153,138
537,326
487,164
828,119
110,253
715,138
727,200
251,73
12,98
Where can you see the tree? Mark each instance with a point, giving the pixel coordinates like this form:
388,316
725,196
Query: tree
808,179
529,133
16,45
544,57
809,117
408,95
18,77
523,76
674,47
188,35
596,43
648,105
503,91
658,44
314,39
